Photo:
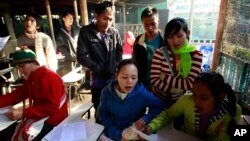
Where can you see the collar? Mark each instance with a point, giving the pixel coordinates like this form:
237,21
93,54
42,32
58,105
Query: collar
35,75
93,28
214,116
142,39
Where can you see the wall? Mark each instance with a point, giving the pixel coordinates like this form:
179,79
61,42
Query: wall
236,49
236,34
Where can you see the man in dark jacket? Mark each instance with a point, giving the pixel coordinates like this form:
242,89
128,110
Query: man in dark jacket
66,41
99,48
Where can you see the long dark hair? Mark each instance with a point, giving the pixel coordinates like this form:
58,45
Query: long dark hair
218,87
126,62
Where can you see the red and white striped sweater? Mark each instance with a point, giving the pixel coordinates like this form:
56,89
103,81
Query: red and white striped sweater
162,84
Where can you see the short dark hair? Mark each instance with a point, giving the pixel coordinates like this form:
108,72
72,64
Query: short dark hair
174,26
103,7
65,12
37,17
149,11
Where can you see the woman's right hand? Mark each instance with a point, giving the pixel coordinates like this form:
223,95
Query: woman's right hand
14,114
147,130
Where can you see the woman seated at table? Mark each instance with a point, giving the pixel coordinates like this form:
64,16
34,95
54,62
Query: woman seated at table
124,102
209,113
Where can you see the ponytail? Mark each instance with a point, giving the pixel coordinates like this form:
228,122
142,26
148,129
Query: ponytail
219,88
232,101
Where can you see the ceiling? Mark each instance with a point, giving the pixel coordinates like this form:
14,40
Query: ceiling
19,7
145,2
23,6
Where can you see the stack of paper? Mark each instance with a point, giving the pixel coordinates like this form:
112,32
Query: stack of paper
68,132
4,121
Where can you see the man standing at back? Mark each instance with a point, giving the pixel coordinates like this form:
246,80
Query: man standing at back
66,41
146,43
99,48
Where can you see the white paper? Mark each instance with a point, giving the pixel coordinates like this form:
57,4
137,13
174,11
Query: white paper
3,41
69,132
4,118
5,109
5,122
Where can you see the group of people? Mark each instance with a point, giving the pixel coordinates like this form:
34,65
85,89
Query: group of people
161,82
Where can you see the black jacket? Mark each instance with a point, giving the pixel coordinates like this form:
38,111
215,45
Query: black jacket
92,52
66,44
140,55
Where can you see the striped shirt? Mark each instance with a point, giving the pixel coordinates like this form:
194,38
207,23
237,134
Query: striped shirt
162,79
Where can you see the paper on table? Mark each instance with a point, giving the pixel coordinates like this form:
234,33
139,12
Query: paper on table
69,132
142,135
5,109
3,41
4,119
5,122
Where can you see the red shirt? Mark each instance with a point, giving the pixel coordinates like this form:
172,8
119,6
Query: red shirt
46,89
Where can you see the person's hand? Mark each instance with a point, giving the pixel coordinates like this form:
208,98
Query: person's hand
123,139
14,114
129,134
147,130
139,124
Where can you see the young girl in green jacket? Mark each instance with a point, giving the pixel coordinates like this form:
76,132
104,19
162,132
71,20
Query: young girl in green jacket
209,112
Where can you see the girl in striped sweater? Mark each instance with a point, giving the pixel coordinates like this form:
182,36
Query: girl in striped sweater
176,65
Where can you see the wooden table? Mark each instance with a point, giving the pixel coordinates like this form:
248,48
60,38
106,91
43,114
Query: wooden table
91,130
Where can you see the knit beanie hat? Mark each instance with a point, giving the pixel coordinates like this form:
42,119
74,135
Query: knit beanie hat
23,56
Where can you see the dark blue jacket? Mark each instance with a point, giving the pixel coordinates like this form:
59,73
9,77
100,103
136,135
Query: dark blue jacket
116,114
